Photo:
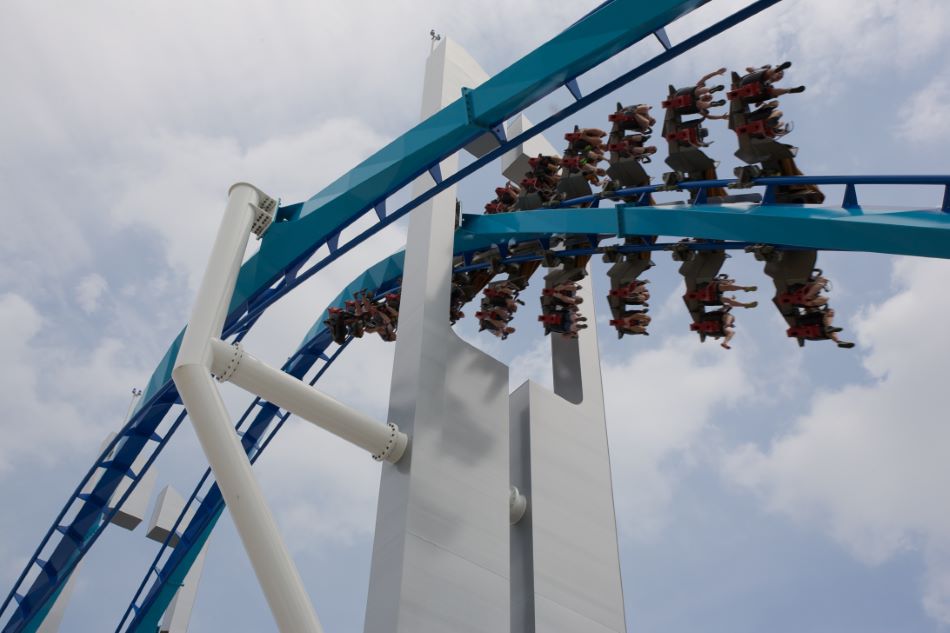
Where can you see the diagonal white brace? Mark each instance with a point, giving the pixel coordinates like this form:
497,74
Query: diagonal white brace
232,363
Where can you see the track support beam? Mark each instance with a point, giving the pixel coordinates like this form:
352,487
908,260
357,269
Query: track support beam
248,210
232,363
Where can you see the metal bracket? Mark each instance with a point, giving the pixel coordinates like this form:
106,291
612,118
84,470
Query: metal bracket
517,505
263,215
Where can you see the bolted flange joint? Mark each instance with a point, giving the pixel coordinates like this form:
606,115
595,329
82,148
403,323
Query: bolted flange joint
237,354
395,446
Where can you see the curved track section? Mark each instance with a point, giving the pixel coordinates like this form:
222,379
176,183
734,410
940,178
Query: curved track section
922,232
284,258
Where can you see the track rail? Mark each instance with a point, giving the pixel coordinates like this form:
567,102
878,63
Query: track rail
477,234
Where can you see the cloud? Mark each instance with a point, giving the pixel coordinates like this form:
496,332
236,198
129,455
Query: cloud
89,291
57,399
323,489
176,186
659,406
867,463
925,117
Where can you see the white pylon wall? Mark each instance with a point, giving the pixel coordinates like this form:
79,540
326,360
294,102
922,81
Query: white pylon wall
445,559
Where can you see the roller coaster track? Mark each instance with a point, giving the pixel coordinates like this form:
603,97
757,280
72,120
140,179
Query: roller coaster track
922,232
291,252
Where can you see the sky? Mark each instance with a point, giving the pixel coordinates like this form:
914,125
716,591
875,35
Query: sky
769,487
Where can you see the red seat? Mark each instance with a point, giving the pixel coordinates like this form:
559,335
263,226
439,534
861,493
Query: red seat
812,331
707,294
706,327
625,292
679,102
685,135
620,117
755,128
623,323
571,162
749,91
795,298
550,319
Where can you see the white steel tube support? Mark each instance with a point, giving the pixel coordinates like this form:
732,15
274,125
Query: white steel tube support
275,570
232,364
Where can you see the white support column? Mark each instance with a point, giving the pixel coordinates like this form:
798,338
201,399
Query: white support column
440,552
561,462
248,208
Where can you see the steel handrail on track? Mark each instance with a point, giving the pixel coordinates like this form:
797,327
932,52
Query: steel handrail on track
384,277
276,268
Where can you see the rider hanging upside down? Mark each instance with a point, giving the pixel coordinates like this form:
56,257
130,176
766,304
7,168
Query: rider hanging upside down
633,322
772,116
831,331
635,293
498,308
766,77
585,139
727,324
567,323
644,119
565,293
703,96
813,288
817,324
494,323
723,283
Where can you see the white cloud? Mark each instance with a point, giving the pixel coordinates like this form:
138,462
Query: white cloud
177,186
925,118
55,396
659,405
323,489
89,291
867,464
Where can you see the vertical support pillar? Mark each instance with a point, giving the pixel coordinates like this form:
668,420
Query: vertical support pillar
565,563
440,554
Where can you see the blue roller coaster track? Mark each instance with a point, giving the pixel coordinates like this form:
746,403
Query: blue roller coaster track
287,257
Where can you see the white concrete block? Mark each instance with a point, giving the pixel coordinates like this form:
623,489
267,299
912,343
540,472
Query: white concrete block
167,508
133,510
514,163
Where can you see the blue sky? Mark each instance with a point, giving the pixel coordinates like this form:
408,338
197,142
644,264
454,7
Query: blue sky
764,488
